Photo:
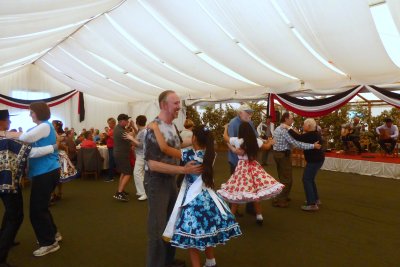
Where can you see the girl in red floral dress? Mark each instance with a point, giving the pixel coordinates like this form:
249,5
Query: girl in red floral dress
250,182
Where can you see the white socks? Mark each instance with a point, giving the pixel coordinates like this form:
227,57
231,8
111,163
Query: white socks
210,262
259,217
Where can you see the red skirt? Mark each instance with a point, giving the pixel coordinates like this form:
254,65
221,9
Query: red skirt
250,183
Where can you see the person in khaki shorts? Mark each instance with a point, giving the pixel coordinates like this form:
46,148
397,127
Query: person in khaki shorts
282,152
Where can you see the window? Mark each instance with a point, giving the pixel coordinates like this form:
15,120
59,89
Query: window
22,117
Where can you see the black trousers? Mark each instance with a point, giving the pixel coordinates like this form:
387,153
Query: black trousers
390,141
42,220
354,139
12,219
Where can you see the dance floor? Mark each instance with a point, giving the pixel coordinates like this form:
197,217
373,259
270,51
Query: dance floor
357,225
373,164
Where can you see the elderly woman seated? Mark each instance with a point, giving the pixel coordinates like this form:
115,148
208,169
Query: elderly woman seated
88,141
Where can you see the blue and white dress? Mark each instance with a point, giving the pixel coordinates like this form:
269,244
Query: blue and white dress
200,217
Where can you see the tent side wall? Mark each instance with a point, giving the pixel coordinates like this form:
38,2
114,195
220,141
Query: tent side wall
33,80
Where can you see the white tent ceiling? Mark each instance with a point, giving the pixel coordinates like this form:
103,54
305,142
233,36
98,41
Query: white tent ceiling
132,50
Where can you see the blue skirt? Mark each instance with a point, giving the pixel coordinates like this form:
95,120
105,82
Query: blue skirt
201,224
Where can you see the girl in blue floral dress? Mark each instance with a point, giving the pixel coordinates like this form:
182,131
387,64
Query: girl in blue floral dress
200,219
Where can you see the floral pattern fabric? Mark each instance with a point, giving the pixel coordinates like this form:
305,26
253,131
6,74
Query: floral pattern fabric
14,157
249,183
67,169
201,224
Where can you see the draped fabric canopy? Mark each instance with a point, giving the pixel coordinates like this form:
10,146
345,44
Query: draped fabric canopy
131,50
324,106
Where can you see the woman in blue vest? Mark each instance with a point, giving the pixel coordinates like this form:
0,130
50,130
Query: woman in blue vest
44,173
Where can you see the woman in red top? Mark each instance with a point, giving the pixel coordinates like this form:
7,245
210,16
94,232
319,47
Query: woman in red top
88,141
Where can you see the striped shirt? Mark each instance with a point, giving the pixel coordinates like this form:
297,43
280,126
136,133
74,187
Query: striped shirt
284,140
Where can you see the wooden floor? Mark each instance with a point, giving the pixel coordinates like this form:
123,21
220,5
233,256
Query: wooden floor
358,225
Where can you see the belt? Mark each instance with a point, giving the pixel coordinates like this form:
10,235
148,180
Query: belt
159,174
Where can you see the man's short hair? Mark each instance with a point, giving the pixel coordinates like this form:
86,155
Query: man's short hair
312,123
141,120
111,120
388,120
163,96
41,110
285,115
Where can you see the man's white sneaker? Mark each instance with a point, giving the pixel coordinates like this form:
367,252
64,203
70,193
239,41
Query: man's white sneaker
46,250
142,197
58,237
310,207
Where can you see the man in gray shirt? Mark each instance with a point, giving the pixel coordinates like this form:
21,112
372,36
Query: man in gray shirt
160,182
122,149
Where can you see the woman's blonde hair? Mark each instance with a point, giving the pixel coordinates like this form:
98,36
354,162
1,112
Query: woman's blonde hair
188,124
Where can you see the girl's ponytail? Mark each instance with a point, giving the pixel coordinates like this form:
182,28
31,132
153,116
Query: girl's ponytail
208,161
205,138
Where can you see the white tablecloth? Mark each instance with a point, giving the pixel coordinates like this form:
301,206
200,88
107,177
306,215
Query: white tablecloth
104,153
363,167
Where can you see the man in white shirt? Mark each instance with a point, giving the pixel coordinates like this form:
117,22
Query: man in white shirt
265,131
388,134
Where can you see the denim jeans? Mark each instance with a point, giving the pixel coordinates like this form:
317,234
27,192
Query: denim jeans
310,188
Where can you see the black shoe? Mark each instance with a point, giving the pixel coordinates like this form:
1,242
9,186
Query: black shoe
109,180
125,193
15,243
121,197
259,222
177,263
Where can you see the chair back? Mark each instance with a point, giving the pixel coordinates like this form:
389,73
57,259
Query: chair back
89,160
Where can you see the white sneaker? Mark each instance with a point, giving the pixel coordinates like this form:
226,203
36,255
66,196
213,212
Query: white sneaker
310,207
142,197
318,202
46,250
58,237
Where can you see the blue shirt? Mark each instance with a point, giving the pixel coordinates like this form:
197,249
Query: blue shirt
233,131
46,163
284,140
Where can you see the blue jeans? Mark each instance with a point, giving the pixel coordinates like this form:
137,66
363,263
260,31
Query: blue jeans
310,188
